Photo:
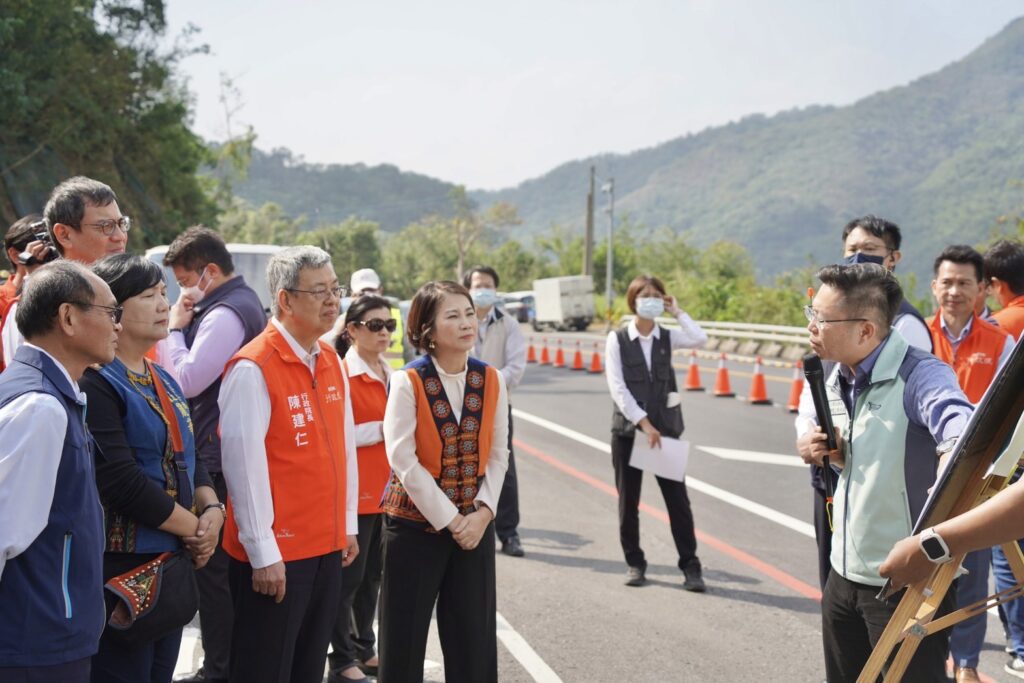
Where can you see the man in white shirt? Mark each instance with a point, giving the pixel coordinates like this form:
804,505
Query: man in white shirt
500,343
289,459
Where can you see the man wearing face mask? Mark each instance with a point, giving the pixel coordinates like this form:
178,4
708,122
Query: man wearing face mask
216,315
500,343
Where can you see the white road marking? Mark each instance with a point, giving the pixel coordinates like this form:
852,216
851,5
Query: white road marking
740,502
754,456
524,654
187,663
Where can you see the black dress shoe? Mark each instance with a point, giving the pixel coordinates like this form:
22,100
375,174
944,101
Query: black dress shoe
694,579
201,677
368,669
512,546
636,576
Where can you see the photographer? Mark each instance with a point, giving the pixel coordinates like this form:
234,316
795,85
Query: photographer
28,246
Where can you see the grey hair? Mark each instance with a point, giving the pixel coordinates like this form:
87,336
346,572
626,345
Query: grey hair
59,282
284,268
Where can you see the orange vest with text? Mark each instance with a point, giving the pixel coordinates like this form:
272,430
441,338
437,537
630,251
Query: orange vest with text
976,359
305,446
428,440
1011,317
369,398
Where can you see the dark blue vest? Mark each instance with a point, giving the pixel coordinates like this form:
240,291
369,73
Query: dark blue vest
51,595
241,299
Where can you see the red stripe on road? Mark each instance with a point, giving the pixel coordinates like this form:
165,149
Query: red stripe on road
772,572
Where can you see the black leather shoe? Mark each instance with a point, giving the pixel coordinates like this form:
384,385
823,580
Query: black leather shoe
694,579
368,669
512,546
636,576
201,677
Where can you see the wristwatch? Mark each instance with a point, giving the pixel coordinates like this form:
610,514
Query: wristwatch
220,506
934,547
946,446
175,329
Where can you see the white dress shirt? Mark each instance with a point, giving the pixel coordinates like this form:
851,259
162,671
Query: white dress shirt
244,420
515,348
28,465
12,338
367,433
220,335
688,336
400,443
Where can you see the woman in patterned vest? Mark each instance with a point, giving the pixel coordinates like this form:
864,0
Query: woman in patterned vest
446,437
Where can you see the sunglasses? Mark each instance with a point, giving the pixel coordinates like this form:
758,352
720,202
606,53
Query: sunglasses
376,324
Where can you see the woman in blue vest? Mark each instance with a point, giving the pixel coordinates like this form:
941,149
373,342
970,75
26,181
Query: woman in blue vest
149,508
642,381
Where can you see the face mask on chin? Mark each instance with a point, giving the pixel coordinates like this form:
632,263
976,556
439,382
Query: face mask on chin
650,308
197,291
484,298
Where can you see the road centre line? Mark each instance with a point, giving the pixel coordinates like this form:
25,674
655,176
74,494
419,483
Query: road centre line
753,456
733,499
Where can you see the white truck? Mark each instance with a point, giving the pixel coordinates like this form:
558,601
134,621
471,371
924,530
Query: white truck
564,303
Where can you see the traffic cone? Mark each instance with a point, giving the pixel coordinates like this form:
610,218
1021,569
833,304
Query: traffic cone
758,390
798,387
693,376
531,353
722,388
595,361
559,357
577,358
545,359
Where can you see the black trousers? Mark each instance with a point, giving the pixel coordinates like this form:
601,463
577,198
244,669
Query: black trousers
628,481
823,536
216,612
852,621
285,642
352,639
506,518
71,672
421,568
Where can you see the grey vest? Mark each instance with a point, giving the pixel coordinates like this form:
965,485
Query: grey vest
650,388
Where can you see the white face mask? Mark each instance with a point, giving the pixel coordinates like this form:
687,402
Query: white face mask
483,298
650,307
197,291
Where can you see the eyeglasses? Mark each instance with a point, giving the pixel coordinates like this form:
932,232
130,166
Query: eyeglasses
376,324
812,317
321,294
107,226
115,312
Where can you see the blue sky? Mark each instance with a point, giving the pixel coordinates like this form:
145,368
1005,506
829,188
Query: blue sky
490,94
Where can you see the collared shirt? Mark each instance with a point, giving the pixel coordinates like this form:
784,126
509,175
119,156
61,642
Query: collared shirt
854,383
218,338
12,339
367,433
400,437
244,420
955,342
689,336
915,331
28,465
515,348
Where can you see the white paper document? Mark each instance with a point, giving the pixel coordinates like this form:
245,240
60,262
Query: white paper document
668,461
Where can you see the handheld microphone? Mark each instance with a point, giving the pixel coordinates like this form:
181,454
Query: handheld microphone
815,375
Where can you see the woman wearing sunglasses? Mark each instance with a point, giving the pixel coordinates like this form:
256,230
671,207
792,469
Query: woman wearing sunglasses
364,339
156,496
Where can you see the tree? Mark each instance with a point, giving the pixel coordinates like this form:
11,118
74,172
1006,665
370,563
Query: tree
352,245
265,225
468,226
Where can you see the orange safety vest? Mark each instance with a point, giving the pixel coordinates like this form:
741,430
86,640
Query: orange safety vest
1011,317
369,399
305,446
977,357
7,299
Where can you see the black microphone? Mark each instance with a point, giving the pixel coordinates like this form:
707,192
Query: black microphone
815,375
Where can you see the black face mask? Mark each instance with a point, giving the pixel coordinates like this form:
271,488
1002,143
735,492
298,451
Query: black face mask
860,257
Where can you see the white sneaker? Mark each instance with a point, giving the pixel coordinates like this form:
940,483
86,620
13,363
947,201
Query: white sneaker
1015,667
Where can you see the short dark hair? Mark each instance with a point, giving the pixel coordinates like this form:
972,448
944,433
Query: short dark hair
888,231
423,310
486,270
1005,260
360,306
638,285
197,247
866,288
56,283
68,200
964,255
21,232
128,275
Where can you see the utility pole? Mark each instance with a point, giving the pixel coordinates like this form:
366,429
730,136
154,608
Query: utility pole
609,188
588,238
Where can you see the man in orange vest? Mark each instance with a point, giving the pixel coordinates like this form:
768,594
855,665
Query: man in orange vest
1004,265
289,460
976,349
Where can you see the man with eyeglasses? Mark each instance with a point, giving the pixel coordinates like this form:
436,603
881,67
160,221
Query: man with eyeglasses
217,314
51,522
897,410
85,224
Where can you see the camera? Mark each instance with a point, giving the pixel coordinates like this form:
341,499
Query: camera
26,257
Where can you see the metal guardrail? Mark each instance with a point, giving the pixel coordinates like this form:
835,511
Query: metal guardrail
745,341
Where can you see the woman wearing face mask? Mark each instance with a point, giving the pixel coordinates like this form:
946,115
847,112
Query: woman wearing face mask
365,337
156,498
445,432
642,381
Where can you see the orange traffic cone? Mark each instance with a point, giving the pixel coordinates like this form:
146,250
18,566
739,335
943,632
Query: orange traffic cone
531,353
758,390
595,361
693,376
545,359
722,387
559,357
577,358
798,387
